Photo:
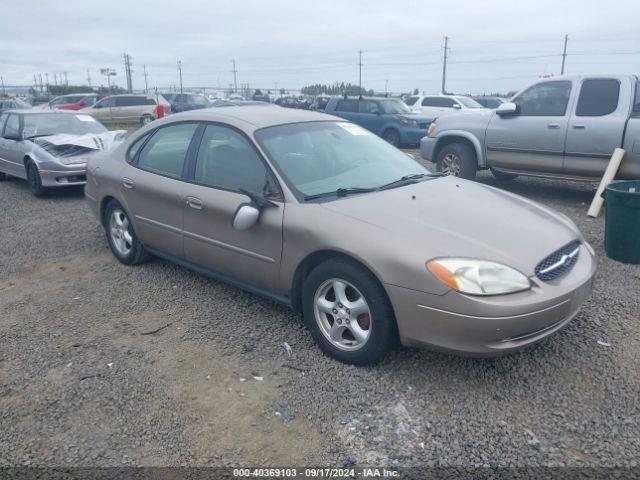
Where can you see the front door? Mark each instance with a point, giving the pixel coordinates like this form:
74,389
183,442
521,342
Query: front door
226,163
533,139
371,116
10,156
153,187
597,125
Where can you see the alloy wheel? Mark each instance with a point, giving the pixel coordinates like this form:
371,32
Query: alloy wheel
451,165
342,313
121,237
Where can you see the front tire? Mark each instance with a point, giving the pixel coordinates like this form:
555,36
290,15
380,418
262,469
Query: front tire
392,136
348,312
146,120
34,180
458,160
121,237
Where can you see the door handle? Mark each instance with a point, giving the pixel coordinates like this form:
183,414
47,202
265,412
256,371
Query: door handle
579,125
128,183
195,203
553,126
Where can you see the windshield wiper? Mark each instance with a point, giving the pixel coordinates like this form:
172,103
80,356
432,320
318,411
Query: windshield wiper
408,180
340,192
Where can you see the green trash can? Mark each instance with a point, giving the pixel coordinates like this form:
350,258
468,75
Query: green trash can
622,227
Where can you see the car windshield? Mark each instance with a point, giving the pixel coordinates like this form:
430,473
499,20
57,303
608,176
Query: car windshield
44,124
469,102
392,105
320,157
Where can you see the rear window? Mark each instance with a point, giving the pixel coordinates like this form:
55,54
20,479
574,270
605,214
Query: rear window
438,102
598,97
347,106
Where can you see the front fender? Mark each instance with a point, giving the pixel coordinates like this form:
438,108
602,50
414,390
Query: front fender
477,145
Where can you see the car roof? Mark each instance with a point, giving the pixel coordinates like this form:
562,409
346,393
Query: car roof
36,111
255,115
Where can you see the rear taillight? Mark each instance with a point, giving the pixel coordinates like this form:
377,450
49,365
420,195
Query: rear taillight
159,111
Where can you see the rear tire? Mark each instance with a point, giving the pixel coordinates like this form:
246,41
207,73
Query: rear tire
502,176
121,237
391,136
34,180
458,160
146,120
355,323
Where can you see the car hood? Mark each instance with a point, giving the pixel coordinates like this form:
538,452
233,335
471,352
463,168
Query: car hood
69,145
454,217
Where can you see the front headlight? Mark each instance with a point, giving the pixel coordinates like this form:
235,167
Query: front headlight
432,128
478,277
407,121
74,160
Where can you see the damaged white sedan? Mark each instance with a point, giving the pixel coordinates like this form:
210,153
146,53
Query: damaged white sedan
50,149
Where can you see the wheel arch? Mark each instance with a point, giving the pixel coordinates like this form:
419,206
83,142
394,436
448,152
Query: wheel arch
461,137
314,259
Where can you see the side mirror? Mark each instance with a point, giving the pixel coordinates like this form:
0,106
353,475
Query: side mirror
507,108
246,217
457,106
375,111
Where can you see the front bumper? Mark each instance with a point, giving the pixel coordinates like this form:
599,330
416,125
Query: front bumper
74,175
488,326
427,148
411,135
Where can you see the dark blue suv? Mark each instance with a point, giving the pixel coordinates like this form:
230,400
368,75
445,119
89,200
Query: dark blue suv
183,102
388,118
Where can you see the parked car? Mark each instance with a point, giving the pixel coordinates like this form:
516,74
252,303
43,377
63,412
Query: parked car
439,105
50,148
259,96
320,103
565,127
292,102
129,108
489,102
12,104
237,103
75,101
388,118
370,247
183,102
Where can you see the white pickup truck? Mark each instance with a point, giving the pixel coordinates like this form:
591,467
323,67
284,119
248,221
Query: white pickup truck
562,127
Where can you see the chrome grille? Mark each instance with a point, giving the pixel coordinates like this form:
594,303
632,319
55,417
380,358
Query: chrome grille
559,262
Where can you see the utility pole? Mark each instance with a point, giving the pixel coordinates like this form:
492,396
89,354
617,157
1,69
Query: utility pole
88,77
4,92
35,82
66,79
235,76
444,65
564,54
127,69
360,72
41,85
146,85
386,85
46,75
55,79
180,72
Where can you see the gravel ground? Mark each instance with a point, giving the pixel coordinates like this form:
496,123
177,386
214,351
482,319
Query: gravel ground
86,380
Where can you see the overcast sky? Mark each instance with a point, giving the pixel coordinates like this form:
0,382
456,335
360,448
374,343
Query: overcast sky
495,45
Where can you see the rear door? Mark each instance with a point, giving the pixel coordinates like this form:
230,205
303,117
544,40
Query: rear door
103,110
437,106
152,186
128,109
533,139
226,163
597,125
347,108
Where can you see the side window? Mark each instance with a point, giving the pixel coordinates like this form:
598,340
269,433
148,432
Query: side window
227,160
133,149
13,125
347,106
411,101
87,102
548,99
636,102
105,103
598,97
368,106
166,150
3,118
